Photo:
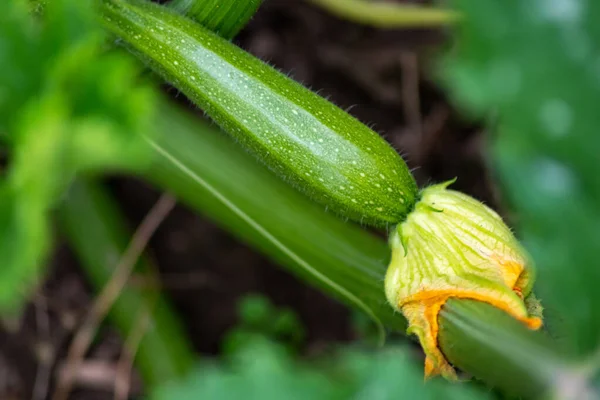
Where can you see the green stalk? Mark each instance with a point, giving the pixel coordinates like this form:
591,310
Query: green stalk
494,347
226,18
213,175
95,230
339,258
388,15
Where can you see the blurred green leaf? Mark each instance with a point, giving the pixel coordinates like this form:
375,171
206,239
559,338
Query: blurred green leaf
59,58
259,318
286,324
261,371
536,65
255,310
65,107
265,371
392,374
24,200
19,59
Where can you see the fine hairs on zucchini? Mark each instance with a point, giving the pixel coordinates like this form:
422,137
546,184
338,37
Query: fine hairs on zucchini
309,142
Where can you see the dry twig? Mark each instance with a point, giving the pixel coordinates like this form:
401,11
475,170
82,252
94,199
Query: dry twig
111,292
45,350
125,364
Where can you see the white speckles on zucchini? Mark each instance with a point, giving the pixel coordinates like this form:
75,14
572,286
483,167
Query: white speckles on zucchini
308,141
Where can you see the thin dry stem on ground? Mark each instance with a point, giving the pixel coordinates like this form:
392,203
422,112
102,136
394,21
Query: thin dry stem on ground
110,293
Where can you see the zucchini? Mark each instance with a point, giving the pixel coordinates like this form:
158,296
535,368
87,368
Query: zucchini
305,139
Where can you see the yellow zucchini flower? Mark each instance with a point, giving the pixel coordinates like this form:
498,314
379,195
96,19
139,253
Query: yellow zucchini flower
453,246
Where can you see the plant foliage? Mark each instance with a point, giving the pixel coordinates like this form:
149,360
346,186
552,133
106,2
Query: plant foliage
66,106
263,371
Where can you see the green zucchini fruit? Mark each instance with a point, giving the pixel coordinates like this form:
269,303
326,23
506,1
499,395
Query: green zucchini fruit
308,141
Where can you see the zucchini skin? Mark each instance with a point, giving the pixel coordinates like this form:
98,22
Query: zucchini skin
305,139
